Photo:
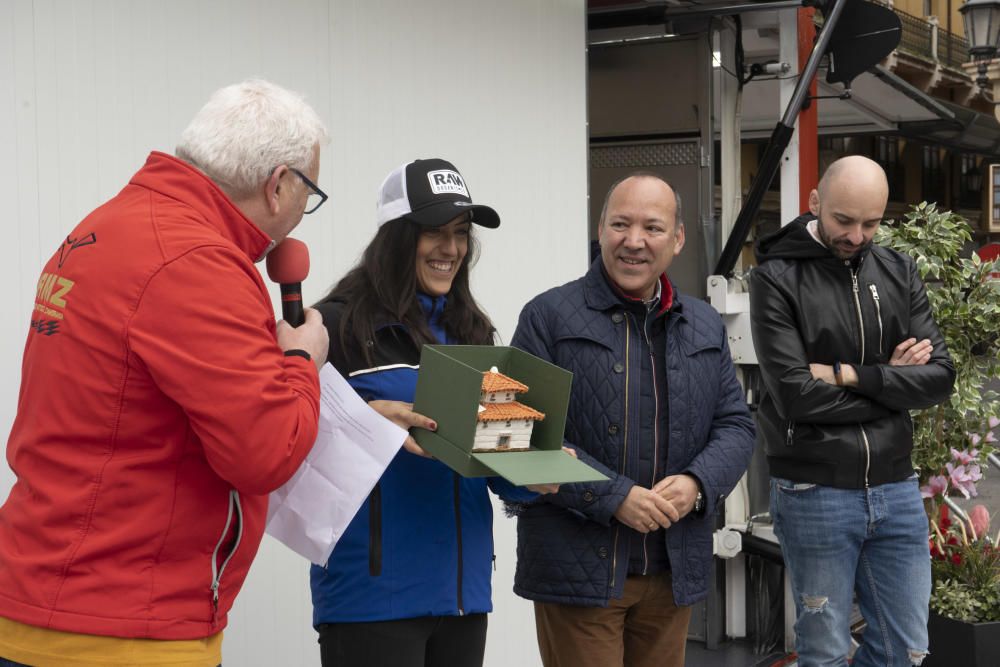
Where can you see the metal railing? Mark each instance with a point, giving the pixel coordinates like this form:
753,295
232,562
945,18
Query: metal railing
928,41
917,35
952,50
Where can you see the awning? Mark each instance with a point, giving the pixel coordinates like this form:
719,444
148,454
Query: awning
967,130
880,102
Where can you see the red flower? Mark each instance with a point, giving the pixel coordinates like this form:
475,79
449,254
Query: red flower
956,559
945,522
952,540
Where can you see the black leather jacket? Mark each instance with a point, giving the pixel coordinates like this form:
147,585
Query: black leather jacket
807,306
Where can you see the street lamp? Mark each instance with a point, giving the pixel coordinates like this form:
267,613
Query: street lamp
982,29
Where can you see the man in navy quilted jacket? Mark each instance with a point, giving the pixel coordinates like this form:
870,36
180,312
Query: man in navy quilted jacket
614,566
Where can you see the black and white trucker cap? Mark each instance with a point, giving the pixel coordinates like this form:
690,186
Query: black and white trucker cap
430,193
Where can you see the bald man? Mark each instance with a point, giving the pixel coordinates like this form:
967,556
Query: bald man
847,346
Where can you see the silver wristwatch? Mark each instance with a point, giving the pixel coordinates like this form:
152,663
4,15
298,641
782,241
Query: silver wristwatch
699,502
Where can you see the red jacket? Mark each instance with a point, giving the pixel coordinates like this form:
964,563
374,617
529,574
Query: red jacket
156,412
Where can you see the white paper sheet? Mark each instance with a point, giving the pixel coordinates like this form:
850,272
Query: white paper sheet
353,448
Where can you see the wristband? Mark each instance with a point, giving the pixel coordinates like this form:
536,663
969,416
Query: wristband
298,353
838,373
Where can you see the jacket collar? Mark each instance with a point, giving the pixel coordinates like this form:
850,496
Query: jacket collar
432,307
176,179
601,294
796,241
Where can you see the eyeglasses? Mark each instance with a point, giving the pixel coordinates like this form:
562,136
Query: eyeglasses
315,198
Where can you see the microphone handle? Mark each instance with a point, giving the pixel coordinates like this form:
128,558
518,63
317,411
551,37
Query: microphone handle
291,304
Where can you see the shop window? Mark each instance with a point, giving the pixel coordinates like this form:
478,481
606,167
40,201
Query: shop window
933,180
970,182
887,155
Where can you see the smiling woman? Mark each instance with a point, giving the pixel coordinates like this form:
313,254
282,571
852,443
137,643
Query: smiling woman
440,251
409,581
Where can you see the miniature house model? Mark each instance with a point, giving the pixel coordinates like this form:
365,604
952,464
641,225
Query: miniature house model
503,424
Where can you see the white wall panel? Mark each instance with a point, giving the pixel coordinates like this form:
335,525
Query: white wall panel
19,188
89,87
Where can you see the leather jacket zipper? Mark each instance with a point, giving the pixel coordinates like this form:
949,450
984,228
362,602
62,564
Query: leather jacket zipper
790,433
878,313
614,546
861,328
217,570
857,305
868,454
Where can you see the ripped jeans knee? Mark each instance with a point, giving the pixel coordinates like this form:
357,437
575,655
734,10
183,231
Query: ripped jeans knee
814,604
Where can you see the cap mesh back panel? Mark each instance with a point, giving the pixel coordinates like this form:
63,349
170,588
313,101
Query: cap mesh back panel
392,201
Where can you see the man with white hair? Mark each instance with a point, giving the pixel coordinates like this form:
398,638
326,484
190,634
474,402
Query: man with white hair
160,403
847,346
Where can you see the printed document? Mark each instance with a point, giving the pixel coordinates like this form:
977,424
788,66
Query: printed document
353,448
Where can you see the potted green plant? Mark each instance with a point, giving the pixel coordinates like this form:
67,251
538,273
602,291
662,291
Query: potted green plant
965,602
952,440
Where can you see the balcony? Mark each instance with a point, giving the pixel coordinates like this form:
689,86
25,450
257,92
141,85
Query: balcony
952,50
924,40
932,58
917,38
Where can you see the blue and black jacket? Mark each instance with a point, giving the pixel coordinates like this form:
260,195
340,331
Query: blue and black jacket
422,543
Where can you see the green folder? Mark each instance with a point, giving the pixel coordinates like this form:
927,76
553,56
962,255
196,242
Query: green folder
449,386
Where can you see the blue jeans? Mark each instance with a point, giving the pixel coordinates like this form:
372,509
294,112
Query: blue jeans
870,541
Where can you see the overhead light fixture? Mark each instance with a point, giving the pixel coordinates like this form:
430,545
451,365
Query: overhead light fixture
982,29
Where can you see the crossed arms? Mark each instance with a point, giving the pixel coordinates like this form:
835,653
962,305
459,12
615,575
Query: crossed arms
919,374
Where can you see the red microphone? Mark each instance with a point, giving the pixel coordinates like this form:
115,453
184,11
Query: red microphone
288,265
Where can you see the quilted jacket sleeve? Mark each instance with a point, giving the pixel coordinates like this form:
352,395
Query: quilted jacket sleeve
913,387
784,364
597,501
204,331
726,456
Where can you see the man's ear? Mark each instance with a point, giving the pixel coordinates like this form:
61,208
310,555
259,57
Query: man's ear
272,189
814,203
679,241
